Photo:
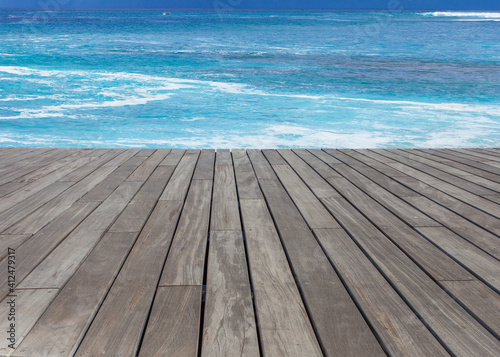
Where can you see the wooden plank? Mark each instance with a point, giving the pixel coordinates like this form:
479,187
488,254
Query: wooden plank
364,183
223,157
471,179
452,203
225,212
29,305
323,189
110,183
186,259
454,191
26,161
494,198
120,322
483,302
30,189
173,157
478,171
34,250
118,326
10,155
339,324
11,241
438,264
19,211
458,330
45,170
475,234
179,182
274,157
399,329
174,325
326,168
248,186
285,329
62,263
310,207
28,167
56,206
63,324
103,160
205,166
481,264
138,210
229,325
142,173
260,165
10,187
124,155
475,155
145,152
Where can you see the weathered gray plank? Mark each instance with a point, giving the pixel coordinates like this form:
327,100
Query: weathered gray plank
63,324
35,221
458,330
482,301
225,213
481,264
338,322
30,304
186,259
34,250
285,329
138,210
174,325
142,173
400,330
229,325
62,263
205,166
179,182
119,324
248,186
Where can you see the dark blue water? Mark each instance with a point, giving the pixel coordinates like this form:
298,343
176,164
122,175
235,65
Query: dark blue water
249,79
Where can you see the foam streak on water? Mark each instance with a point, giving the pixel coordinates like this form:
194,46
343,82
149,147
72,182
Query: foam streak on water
249,79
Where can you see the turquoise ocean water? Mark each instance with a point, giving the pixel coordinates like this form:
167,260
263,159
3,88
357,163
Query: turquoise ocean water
249,79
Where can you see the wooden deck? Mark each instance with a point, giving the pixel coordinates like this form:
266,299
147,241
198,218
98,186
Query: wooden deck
250,253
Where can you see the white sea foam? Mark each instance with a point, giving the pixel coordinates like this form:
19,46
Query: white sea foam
492,16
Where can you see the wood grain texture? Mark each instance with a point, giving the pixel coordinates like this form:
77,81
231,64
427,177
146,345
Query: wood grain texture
138,210
477,261
440,312
119,324
186,259
225,212
63,324
56,206
142,173
482,301
410,267
181,178
62,263
205,166
30,304
11,241
285,329
34,250
174,326
397,326
310,207
229,326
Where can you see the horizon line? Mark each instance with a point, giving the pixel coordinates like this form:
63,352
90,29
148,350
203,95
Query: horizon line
250,10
